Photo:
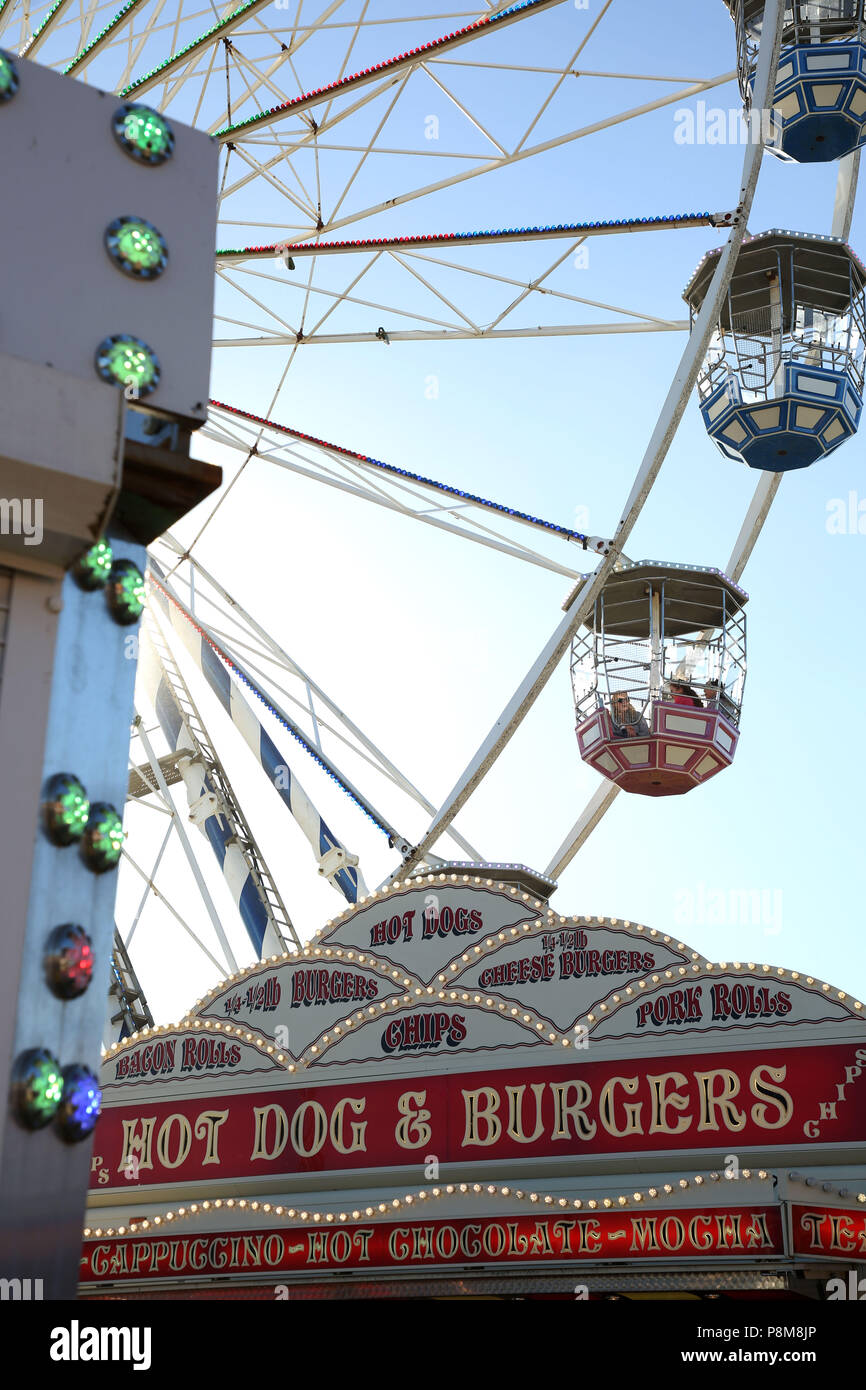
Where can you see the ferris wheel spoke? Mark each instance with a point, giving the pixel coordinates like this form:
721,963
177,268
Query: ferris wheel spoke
220,966
502,236
494,164
681,388
389,109
407,265
42,32
211,797
392,68
319,703
562,76
225,677
846,193
464,110
263,171
417,488
203,93
426,323
88,49
294,43
595,809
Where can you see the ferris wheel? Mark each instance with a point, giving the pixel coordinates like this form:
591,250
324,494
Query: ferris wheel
335,189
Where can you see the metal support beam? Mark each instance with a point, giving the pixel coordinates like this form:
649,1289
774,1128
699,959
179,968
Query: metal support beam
312,688
846,192
187,848
424,335
599,803
218,965
681,388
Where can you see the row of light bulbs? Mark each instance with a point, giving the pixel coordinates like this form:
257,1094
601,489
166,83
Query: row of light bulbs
410,1199
313,951
421,993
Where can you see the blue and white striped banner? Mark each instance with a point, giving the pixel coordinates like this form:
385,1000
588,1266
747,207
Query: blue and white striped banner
335,862
204,805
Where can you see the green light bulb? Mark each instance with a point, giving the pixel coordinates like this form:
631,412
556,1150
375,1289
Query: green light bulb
102,842
136,247
128,362
37,1087
126,593
91,571
143,134
65,809
8,77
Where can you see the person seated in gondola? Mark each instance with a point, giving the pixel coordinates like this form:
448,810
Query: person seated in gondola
627,721
682,694
717,698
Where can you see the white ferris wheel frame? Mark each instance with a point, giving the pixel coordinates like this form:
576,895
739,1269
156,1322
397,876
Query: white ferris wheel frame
266,152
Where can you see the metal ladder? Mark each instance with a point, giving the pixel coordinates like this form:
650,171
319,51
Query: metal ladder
131,1009
203,751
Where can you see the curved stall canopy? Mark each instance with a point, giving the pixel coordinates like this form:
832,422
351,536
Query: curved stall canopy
782,383
658,673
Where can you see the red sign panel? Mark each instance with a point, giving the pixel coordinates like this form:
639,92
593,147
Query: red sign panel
829,1231
693,1102
481,1240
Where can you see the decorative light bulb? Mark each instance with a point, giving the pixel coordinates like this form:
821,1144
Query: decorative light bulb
8,77
37,1087
102,842
82,1101
65,808
124,360
125,594
143,133
136,247
91,571
68,961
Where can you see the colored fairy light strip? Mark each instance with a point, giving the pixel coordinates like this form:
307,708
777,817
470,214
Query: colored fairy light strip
100,39
216,31
387,68
482,238
39,33
297,733
449,491
410,1199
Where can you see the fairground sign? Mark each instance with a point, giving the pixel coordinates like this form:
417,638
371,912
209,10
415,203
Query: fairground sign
455,1023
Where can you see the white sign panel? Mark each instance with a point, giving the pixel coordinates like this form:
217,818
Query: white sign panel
563,971
720,1001
424,930
293,1002
148,1061
421,1031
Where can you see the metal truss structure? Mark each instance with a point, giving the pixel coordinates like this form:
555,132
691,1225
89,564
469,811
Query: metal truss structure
304,99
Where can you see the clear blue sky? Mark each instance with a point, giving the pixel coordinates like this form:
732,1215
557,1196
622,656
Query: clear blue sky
423,637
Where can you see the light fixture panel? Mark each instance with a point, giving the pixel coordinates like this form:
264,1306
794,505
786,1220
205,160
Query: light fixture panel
61,150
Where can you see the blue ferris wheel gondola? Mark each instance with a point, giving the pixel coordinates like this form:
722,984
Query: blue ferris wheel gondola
782,383
819,101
